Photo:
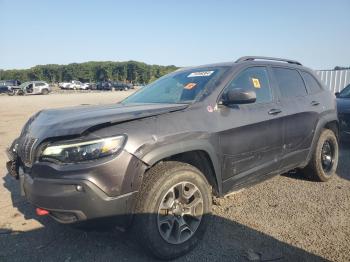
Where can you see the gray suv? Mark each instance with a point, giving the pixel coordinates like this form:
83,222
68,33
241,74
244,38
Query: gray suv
153,161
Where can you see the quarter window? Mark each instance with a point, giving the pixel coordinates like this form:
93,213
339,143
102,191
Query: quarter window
290,82
254,78
311,83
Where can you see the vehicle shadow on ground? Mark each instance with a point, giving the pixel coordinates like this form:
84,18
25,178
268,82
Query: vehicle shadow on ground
342,170
225,241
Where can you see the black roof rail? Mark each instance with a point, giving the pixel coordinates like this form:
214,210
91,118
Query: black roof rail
250,58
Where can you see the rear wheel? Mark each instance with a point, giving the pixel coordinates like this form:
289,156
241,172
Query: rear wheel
44,91
173,209
324,161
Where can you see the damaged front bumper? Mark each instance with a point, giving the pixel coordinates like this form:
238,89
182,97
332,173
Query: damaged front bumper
12,164
72,194
70,201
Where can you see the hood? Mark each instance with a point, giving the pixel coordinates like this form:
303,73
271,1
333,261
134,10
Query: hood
76,120
343,105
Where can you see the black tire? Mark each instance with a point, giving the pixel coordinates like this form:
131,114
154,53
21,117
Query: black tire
20,93
317,169
44,91
157,183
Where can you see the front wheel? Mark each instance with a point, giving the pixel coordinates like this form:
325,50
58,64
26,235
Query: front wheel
44,91
324,160
173,209
11,93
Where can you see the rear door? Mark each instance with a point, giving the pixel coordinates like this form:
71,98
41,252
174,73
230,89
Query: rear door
37,87
300,118
251,136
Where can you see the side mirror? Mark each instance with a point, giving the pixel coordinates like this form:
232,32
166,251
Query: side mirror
239,96
336,94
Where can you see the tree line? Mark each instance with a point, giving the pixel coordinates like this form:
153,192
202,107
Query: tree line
130,71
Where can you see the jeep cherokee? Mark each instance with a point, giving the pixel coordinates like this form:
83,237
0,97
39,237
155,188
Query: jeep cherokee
153,161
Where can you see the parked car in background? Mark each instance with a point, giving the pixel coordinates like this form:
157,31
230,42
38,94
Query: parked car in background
6,85
64,85
138,85
3,89
105,85
91,86
74,84
31,88
343,103
122,86
85,86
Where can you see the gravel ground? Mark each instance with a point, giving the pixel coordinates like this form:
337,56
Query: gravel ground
286,218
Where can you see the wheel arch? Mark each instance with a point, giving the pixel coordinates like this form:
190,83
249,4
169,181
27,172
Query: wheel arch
44,90
334,126
197,154
326,122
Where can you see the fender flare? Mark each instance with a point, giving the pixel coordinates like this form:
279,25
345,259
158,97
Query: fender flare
162,152
324,120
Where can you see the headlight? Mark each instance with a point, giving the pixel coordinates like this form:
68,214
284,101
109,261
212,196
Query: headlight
83,151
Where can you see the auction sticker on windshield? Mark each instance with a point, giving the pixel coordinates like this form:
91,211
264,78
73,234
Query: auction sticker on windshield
203,73
190,85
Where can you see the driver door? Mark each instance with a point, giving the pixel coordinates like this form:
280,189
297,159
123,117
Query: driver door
251,139
29,88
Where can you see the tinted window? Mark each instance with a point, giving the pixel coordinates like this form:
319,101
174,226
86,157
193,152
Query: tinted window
290,82
39,84
254,78
311,83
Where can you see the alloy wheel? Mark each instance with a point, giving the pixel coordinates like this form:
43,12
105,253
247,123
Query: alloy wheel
180,213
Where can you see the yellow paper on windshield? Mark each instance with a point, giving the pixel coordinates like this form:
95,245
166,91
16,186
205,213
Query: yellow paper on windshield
256,83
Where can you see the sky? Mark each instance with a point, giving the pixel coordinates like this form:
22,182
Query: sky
181,32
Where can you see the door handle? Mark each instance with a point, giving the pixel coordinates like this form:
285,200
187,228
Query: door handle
275,111
315,103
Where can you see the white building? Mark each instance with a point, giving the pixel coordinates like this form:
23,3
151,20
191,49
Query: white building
335,80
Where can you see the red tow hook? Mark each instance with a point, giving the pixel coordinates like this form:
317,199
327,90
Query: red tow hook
41,212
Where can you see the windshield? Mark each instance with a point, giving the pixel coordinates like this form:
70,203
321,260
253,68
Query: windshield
345,93
178,87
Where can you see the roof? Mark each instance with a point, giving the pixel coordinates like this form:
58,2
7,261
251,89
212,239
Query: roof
254,60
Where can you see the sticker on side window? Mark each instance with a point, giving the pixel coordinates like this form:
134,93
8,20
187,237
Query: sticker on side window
203,73
256,83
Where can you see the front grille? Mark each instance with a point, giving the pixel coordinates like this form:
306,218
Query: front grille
25,150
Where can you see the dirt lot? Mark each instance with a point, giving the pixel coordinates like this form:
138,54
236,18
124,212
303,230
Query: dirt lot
286,218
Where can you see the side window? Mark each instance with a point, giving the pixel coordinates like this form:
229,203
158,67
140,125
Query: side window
254,78
39,84
289,82
311,83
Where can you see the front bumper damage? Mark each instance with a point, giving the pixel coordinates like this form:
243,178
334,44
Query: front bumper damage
73,195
